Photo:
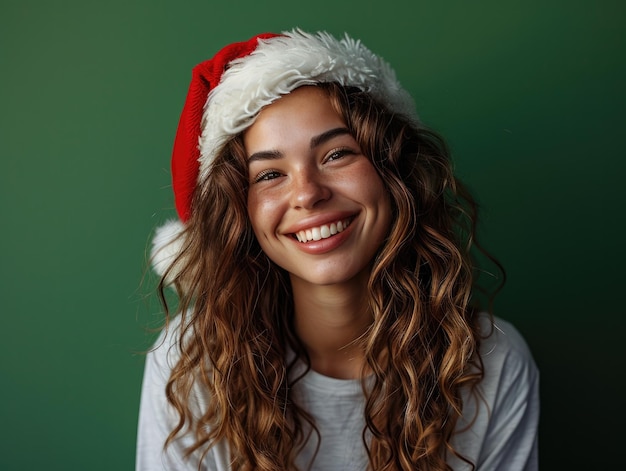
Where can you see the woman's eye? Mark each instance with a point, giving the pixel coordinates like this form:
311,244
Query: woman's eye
267,175
338,153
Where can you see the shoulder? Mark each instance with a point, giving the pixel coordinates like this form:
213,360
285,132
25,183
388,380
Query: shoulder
501,419
162,358
166,350
503,347
510,374
160,361
158,418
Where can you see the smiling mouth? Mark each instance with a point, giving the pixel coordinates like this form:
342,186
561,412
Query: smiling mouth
322,232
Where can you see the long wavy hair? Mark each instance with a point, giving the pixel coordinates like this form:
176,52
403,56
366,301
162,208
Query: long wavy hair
421,349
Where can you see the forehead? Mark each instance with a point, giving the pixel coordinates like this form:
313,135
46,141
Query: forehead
310,98
304,112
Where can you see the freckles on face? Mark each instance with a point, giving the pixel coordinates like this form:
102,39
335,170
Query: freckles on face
317,205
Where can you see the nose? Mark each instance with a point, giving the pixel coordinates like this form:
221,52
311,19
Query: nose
308,189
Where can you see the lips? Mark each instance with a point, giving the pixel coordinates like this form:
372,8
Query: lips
322,232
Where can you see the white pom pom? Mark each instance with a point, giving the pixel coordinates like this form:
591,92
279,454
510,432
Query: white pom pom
166,246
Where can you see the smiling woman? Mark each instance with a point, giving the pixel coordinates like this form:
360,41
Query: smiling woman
323,263
320,180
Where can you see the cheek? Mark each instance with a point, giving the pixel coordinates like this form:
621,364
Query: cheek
262,214
368,184
375,194
254,212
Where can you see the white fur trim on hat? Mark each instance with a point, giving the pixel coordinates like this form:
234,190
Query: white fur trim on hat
280,65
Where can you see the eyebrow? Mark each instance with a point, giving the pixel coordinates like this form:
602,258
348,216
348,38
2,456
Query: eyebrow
315,141
265,155
327,136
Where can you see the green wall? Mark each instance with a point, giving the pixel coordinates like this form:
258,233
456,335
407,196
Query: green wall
530,95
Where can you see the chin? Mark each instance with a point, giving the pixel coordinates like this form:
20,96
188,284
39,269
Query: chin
332,278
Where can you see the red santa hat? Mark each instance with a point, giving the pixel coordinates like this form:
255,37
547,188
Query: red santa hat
228,91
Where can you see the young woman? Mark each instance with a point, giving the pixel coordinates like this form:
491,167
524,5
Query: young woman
322,261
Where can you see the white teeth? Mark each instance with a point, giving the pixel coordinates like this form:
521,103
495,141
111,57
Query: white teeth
322,232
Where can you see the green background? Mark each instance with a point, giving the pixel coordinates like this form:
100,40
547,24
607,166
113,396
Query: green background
529,94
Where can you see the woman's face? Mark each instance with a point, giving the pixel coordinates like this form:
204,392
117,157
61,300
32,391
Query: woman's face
317,205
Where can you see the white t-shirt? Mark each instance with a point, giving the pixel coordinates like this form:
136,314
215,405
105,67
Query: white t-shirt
503,436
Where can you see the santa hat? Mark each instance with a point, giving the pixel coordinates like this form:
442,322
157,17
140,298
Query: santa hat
228,91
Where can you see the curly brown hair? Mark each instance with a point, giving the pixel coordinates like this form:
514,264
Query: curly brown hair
420,350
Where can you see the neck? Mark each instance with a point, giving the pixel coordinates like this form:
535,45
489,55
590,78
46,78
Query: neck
330,321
